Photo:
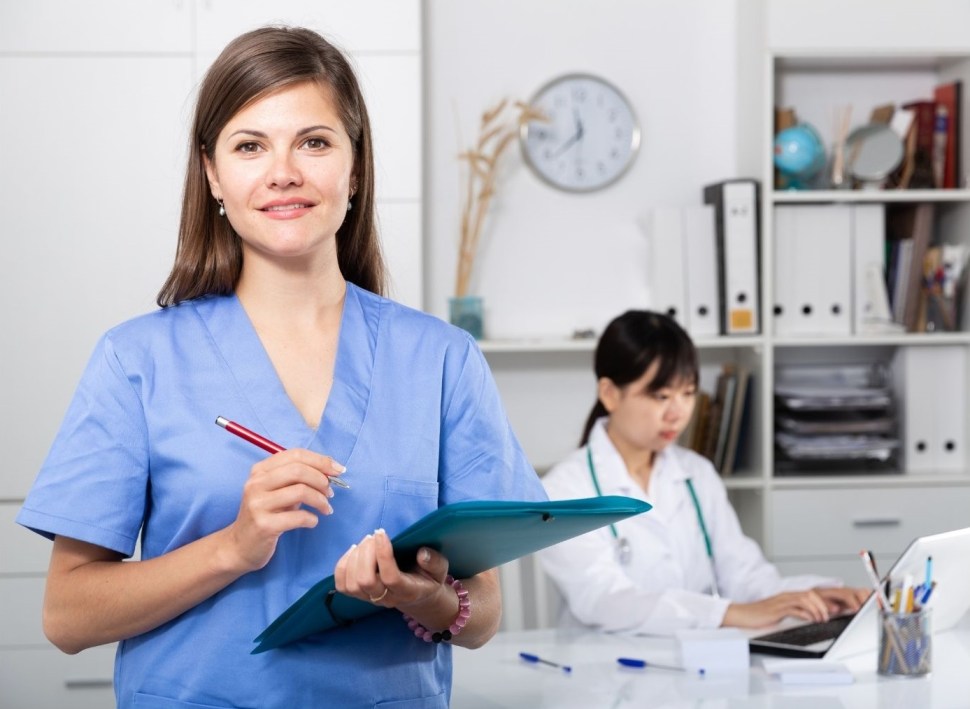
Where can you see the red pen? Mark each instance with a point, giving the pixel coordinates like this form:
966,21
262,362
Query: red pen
264,443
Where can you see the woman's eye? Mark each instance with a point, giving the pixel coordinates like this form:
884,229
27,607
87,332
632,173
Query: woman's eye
316,143
247,147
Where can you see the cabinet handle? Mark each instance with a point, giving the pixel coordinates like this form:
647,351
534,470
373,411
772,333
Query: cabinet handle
876,522
87,683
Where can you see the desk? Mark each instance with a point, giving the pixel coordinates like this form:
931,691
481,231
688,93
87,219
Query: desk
493,676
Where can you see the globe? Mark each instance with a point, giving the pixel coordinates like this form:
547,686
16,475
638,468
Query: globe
799,154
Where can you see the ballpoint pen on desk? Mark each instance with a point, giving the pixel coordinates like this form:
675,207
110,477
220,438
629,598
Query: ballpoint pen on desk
642,664
264,443
536,660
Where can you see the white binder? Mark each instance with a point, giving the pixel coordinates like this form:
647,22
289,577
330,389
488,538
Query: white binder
736,211
930,389
813,269
700,259
871,312
664,227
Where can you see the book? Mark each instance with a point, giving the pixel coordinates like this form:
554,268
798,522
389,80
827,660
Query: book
734,426
948,96
924,123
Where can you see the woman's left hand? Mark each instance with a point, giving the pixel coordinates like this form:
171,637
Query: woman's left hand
368,571
843,599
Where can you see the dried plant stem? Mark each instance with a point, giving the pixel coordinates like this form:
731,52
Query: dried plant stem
483,166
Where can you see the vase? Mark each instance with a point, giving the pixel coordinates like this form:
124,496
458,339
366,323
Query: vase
466,312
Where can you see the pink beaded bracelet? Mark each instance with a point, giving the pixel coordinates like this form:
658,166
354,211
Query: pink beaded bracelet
464,613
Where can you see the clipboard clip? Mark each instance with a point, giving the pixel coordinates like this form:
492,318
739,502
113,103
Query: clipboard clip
328,602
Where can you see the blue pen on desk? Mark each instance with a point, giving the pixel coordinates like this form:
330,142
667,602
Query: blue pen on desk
642,664
929,573
535,659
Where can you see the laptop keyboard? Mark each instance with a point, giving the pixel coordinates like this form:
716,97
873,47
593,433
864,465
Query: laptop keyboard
808,634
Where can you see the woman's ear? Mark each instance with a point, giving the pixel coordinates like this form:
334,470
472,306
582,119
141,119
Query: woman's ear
211,175
608,392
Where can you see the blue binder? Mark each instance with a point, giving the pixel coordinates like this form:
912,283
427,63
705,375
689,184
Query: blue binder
474,536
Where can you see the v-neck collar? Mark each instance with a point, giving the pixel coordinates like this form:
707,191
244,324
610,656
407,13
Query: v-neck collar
271,411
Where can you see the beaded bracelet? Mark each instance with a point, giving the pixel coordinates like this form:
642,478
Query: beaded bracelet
464,613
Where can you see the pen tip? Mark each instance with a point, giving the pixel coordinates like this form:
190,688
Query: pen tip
220,421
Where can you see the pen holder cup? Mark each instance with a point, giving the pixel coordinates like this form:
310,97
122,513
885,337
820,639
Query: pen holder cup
905,644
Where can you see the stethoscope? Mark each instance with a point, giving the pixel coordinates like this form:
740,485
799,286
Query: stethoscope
624,551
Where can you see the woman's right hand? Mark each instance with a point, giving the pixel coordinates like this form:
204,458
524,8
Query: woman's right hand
275,500
807,605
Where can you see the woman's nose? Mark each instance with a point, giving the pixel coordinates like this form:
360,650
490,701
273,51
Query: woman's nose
283,170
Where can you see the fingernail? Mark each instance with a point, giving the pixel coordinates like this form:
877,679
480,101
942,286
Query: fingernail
329,492
424,554
338,467
352,547
380,530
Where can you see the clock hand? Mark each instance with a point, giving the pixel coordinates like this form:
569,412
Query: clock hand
576,137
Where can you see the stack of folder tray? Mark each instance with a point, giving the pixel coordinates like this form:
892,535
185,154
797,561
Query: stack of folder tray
834,419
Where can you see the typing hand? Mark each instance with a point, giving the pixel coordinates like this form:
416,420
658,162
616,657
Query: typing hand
843,600
807,605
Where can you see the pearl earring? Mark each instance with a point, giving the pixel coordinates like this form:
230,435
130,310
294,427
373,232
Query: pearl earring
350,205
222,208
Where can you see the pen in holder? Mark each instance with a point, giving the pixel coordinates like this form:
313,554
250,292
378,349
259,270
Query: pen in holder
905,643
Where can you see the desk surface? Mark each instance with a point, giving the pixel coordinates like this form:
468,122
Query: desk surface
494,676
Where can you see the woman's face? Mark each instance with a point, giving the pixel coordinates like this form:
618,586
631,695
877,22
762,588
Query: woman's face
644,419
283,167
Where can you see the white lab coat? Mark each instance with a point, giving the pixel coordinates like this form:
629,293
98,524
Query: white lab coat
666,585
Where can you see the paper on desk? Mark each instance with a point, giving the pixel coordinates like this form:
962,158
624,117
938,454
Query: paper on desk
808,671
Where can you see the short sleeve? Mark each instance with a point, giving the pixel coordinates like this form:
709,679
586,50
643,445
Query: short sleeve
480,457
93,484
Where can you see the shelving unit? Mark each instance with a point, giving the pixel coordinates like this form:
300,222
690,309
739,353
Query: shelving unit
860,510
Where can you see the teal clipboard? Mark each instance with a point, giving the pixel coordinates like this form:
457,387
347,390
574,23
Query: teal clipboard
474,536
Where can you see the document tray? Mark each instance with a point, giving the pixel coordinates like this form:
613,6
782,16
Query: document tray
474,536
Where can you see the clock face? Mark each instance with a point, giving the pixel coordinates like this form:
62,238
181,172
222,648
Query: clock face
590,139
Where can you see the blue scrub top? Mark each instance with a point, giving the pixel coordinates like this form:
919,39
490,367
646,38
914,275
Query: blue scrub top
415,416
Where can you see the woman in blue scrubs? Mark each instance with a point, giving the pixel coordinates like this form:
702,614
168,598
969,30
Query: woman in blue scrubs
272,317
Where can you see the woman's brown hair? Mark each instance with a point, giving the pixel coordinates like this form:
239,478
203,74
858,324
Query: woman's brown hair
209,256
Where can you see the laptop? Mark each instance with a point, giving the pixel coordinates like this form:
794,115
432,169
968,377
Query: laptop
850,635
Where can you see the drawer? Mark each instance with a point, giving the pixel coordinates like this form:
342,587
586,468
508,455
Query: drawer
46,678
21,551
21,623
842,521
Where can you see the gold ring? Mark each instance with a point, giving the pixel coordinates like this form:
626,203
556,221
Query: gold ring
379,598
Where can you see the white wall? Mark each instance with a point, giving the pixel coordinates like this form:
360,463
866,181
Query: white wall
676,60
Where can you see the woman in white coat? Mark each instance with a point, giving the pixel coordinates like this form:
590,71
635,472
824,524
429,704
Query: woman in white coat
686,563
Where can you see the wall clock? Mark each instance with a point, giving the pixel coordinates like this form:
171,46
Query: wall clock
591,138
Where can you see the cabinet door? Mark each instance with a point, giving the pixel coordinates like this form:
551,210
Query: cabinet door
44,677
96,26
90,197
